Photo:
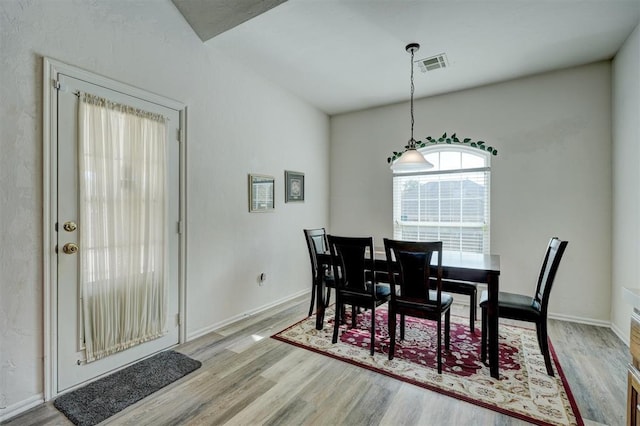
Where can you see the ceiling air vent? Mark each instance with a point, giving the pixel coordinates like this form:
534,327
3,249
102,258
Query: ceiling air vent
433,63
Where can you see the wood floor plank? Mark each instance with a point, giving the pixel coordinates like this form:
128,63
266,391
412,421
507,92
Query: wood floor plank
594,361
295,412
248,378
277,398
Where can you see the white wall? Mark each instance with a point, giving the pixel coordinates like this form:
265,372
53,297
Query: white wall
626,180
552,175
237,123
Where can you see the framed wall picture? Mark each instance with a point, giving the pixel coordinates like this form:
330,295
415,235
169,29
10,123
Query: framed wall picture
261,193
294,186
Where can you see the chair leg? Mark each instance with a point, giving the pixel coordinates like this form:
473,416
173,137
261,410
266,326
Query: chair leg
328,297
313,297
391,320
336,322
353,316
483,341
439,346
472,310
373,327
541,328
447,328
401,326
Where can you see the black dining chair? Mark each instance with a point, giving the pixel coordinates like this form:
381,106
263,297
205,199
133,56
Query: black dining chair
527,308
468,289
412,274
356,283
321,273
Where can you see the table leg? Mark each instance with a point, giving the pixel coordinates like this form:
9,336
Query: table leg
492,316
320,290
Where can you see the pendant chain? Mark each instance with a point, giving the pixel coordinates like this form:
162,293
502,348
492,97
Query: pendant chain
412,141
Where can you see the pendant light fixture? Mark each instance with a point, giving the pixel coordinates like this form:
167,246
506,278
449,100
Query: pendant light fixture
411,160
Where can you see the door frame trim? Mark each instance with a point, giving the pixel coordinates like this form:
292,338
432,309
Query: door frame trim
51,69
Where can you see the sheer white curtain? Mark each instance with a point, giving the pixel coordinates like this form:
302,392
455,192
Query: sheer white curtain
123,230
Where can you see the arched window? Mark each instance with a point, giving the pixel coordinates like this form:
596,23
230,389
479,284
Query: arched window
449,203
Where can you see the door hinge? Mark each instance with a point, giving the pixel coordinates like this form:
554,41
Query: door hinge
180,227
178,320
59,86
181,135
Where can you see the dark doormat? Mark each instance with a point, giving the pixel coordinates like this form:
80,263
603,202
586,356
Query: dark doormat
103,398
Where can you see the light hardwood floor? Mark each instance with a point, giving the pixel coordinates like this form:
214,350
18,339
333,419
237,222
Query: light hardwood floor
247,378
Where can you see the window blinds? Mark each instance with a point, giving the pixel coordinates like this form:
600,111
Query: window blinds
451,206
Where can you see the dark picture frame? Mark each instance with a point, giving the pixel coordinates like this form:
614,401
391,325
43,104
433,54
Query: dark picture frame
293,186
261,193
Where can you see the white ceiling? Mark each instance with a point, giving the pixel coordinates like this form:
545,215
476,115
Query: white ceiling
345,55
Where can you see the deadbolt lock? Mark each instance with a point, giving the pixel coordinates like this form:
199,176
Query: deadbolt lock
70,248
70,226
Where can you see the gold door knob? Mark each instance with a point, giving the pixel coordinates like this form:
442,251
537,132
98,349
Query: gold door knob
69,226
70,248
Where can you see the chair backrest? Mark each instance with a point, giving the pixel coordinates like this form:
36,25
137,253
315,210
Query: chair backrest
316,243
412,269
351,257
550,264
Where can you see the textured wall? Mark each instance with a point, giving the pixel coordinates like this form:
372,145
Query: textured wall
552,175
626,177
237,123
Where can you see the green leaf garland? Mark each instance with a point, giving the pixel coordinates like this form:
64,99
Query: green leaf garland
444,139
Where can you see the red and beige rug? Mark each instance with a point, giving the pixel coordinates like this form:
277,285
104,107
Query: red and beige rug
524,390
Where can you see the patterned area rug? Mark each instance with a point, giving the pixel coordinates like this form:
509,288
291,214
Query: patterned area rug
524,390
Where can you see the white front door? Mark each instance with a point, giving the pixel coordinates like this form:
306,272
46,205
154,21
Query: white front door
71,367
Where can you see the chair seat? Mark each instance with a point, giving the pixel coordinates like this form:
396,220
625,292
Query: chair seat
460,287
445,300
329,280
514,306
382,290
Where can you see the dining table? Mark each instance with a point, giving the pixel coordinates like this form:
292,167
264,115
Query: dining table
459,266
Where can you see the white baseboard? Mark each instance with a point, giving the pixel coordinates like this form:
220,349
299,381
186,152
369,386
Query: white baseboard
618,332
20,407
580,320
213,327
